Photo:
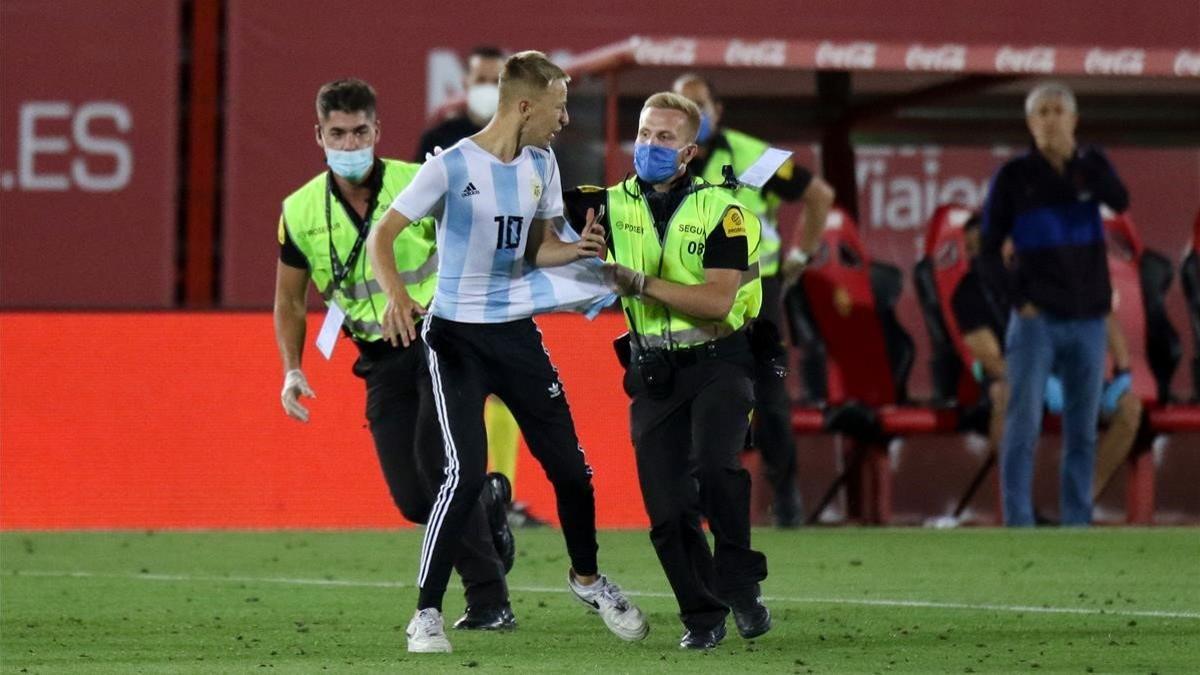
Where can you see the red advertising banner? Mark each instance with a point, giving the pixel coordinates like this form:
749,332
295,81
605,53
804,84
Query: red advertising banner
869,54
173,420
280,51
144,429
88,152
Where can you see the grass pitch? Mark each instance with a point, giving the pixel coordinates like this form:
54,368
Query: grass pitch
845,600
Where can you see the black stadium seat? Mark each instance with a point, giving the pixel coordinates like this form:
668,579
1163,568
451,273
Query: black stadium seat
856,363
1189,275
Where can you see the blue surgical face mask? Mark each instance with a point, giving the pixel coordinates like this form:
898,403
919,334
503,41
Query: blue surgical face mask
350,164
655,163
705,131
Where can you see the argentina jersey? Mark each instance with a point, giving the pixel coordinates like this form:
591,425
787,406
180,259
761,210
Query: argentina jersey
484,209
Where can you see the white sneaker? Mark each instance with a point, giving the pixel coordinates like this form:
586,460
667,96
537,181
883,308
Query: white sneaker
605,598
427,633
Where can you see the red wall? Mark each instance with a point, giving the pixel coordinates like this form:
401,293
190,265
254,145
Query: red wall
281,51
88,153
173,420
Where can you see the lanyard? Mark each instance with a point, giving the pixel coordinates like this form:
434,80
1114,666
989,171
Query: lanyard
342,270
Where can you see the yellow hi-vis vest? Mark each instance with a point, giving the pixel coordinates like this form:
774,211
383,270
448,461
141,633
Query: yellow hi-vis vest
360,294
743,151
679,257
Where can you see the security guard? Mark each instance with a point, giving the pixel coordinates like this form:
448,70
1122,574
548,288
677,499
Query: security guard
720,146
685,261
321,235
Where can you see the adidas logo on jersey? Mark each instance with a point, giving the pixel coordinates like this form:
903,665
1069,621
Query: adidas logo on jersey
470,190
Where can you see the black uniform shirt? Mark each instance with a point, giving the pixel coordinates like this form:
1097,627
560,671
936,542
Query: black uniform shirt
445,135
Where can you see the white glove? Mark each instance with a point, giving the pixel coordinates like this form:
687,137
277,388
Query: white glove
294,386
437,150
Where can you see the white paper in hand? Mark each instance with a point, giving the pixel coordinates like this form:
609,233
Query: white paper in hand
758,173
327,338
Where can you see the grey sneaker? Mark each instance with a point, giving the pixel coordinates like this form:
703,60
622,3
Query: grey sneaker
605,598
427,633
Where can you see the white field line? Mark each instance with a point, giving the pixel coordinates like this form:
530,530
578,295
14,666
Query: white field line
877,602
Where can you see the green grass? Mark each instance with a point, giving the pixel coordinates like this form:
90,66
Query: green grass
338,602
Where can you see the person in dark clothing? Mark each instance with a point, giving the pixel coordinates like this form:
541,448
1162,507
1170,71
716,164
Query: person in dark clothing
482,84
718,146
1047,202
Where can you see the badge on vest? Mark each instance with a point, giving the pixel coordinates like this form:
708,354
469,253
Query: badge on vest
734,223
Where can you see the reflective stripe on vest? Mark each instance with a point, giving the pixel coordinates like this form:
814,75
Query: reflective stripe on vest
364,289
360,295
679,258
364,327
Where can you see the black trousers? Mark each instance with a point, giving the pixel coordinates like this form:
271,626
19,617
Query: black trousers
467,362
773,417
403,422
688,447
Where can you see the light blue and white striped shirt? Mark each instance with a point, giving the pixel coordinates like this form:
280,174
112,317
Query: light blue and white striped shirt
484,208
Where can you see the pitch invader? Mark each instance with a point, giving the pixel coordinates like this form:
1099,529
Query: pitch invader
497,197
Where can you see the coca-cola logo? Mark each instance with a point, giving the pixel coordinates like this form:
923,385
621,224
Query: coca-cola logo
1032,60
761,53
1115,62
674,52
851,55
947,57
1187,64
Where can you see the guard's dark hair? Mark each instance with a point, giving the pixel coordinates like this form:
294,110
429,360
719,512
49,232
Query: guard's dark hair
350,95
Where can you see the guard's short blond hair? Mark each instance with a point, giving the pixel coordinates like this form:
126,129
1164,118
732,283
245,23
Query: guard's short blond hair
528,73
671,101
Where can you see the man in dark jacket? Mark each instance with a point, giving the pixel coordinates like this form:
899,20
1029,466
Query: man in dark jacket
1048,202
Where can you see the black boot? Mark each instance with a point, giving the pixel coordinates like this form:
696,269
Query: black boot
752,618
487,617
705,638
496,496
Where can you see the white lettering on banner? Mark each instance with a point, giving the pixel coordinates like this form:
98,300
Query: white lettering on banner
1032,60
1115,62
901,202
947,57
859,55
31,144
94,145
1187,64
761,53
674,52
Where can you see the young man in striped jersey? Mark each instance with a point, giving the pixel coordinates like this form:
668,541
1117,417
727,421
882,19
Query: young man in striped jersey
497,196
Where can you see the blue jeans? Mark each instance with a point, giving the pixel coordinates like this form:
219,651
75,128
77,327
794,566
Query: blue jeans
1074,348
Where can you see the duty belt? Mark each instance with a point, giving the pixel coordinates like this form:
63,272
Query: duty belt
721,348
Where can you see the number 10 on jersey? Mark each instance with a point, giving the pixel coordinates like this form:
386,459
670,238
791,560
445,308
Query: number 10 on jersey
508,231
